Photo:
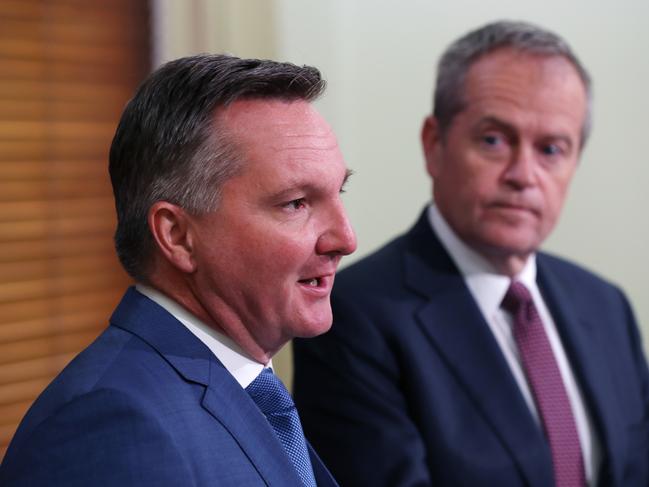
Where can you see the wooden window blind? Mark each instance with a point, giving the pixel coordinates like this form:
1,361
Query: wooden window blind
67,67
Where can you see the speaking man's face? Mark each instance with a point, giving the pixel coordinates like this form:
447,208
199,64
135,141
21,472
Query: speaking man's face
502,170
266,257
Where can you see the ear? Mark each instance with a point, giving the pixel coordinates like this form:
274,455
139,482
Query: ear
169,226
431,142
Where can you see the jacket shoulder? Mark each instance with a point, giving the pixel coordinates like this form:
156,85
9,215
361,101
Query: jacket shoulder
573,274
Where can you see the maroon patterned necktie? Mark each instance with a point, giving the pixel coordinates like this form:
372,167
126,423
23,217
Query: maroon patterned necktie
547,387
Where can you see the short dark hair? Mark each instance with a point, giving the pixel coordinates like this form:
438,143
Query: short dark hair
169,147
464,52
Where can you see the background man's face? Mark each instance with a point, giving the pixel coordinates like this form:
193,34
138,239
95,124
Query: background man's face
266,257
502,171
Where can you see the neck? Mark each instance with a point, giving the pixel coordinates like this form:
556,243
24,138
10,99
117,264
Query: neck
217,315
509,265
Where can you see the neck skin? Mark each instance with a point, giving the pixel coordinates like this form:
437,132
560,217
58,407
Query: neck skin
502,262
506,264
179,289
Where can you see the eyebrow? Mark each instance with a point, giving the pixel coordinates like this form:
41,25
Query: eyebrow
299,186
501,124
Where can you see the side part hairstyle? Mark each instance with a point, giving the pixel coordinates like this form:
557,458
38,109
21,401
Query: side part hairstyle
169,145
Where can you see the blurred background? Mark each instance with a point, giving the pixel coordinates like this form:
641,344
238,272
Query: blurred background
67,67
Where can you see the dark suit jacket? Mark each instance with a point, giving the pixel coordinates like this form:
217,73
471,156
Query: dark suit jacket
147,404
410,388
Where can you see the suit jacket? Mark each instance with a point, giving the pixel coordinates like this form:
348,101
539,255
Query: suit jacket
409,388
147,404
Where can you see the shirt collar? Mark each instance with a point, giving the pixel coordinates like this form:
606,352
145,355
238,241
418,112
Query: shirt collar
487,286
234,359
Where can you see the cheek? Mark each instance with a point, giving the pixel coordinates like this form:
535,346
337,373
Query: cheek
476,188
554,198
556,192
285,255
474,172
273,249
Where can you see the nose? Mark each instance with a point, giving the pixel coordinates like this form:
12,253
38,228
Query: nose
339,237
521,171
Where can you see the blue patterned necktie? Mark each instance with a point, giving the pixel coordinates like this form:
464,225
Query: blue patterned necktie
276,404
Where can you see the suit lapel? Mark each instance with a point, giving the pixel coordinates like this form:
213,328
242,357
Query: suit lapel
453,322
232,407
586,348
224,398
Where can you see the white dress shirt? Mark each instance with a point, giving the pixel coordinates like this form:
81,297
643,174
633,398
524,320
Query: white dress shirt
243,368
488,289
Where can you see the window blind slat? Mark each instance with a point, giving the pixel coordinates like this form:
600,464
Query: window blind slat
51,150
81,244
40,347
70,32
14,68
35,209
67,111
39,368
49,325
54,189
56,285
39,169
18,129
42,268
60,305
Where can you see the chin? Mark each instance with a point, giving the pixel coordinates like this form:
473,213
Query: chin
314,327
510,241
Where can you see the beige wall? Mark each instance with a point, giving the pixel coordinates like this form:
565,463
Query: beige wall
379,56
246,28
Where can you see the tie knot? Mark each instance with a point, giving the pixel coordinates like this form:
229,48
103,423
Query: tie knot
269,393
517,297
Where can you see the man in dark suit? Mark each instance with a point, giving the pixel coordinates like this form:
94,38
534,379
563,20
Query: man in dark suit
227,187
460,355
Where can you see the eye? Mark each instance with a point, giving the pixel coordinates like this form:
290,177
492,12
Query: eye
551,149
491,139
296,204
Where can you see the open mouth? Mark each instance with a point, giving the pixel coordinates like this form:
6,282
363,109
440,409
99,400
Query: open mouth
312,282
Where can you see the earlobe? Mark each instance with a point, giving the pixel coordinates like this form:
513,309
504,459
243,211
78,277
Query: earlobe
169,226
430,141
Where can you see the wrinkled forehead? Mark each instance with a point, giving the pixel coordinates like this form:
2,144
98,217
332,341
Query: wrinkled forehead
270,120
523,83
523,66
275,138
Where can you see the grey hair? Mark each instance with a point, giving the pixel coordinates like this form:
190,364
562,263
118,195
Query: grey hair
464,52
170,144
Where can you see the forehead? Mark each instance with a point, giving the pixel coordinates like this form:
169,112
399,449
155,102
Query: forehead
282,140
522,85
275,123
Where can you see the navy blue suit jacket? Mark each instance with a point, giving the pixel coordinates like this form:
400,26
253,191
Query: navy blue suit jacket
409,388
147,404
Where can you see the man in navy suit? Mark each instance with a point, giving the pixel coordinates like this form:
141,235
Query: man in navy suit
227,186
461,355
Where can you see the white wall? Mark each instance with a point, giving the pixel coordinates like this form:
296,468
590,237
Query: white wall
379,57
